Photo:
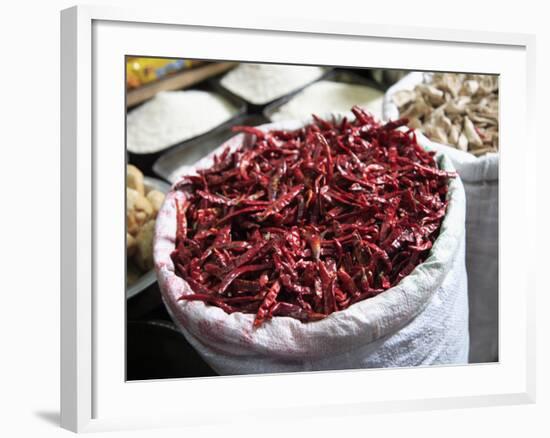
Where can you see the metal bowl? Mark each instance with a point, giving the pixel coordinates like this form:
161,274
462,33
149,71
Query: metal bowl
149,277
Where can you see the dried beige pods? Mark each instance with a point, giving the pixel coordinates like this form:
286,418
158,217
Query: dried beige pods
471,134
134,179
144,246
156,199
403,97
142,206
454,108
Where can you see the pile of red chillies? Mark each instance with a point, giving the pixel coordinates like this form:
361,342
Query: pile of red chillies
308,222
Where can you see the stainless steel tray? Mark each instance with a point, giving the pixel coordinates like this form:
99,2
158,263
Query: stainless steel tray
337,75
256,108
190,152
146,161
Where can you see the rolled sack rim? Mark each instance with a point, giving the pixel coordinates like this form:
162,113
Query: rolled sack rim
471,169
286,337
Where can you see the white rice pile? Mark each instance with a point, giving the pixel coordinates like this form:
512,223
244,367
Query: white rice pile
174,116
262,83
328,96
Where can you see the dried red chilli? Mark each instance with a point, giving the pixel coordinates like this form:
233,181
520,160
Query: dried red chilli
307,222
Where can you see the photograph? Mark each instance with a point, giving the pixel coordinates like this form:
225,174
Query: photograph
312,220
285,218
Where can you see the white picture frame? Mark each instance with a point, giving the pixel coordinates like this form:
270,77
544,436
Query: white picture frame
94,395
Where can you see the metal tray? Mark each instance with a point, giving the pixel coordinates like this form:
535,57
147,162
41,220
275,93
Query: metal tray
190,152
255,108
336,75
145,161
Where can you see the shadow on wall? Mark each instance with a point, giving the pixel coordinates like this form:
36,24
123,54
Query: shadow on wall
51,417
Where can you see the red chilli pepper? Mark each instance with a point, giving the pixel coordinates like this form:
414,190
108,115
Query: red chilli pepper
267,303
308,222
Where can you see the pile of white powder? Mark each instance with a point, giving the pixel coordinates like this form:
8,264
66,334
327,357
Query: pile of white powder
174,116
262,83
327,96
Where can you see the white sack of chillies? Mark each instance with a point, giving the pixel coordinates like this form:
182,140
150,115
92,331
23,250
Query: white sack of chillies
480,177
421,321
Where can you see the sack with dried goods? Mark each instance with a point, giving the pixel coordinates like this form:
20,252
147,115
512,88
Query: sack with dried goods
458,114
142,205
267,262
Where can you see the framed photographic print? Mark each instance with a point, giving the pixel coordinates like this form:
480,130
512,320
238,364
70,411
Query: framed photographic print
253,207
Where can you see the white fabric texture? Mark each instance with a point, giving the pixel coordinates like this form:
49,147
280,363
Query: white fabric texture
480,178
421,321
